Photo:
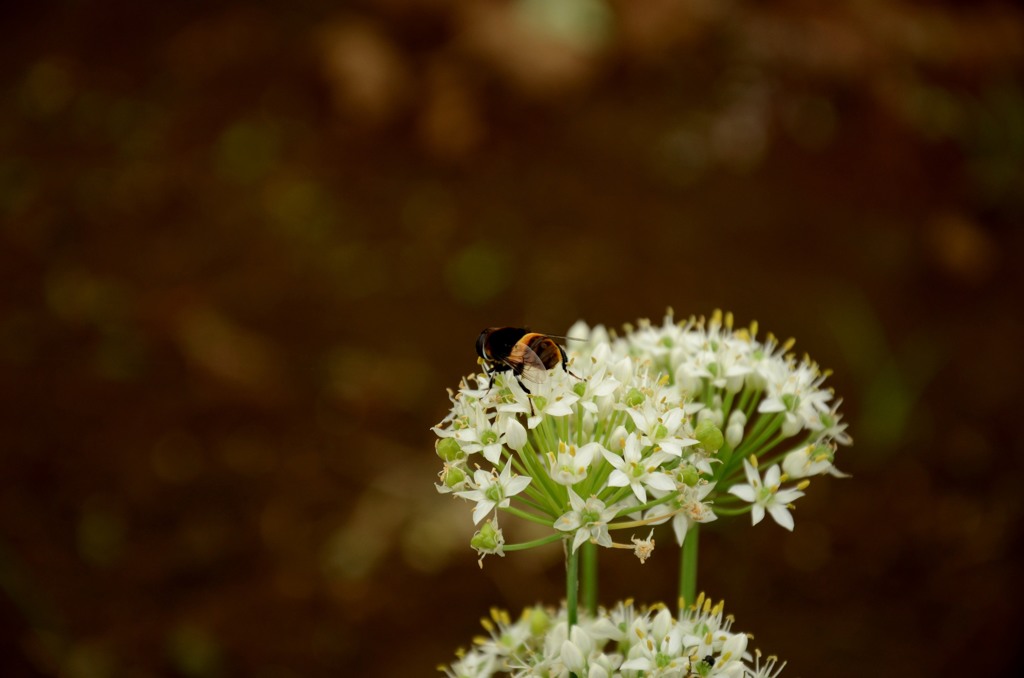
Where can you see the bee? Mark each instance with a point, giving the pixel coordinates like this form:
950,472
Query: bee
524,353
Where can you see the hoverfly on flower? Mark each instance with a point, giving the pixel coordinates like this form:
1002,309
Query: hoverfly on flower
526,354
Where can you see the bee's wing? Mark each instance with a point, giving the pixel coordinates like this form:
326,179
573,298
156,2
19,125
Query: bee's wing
527,364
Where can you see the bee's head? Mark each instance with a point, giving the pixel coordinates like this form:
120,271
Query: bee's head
481,343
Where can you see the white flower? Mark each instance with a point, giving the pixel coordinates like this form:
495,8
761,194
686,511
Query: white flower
794,390
766,495
589,519
659,650
481,435
576,650
687,508
571,465
598,384
662,429
493,490
633,470
473,665
515,434
811,460
651,409
830,427
553,398
621,641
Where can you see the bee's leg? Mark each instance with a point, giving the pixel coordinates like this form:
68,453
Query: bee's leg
517,371
521,385
565,363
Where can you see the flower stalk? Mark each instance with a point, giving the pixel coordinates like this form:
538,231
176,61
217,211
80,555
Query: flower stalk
589,567
688,568
572,584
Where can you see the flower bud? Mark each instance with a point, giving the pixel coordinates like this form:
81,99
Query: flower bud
711,414
488,539
515,435
734,434
582,640
623,370
734,431
709,435
686,380
589,423
738,417
454,476
449,450
791,426
662,623
539,621
691,476
635,398
809,460
617,440
571,656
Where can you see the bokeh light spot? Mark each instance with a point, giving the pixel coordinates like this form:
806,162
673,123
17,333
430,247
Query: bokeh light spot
177,457
100,533
247,151
48,88
585,24
194,651
477,273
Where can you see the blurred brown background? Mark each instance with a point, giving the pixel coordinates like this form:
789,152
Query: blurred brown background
244,250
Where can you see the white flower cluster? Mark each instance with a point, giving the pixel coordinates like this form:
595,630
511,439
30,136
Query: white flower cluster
624,641
663,423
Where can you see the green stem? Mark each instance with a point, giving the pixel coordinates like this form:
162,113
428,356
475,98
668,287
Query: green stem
527,516
533,544
616,494
642,507
572,580
688,569
756,436
532,504
754,401
727,406
722,511
763,429
590,578
537,471
725,453
579,427
768,446
517,465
